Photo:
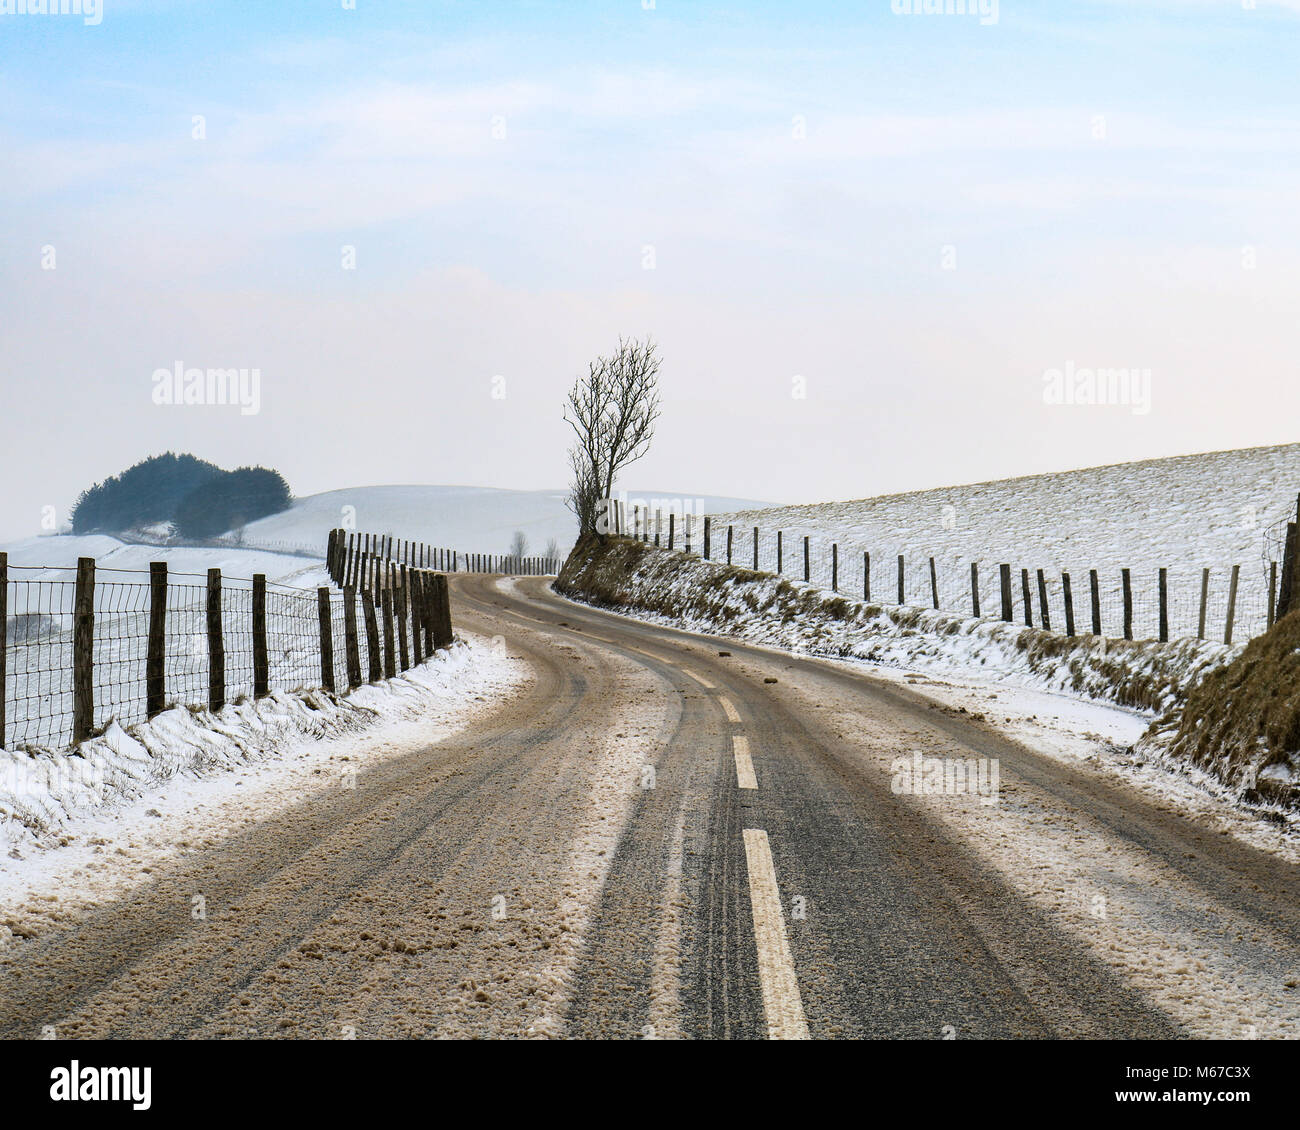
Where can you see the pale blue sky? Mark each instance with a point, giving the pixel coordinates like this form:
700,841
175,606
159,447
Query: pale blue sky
1099,170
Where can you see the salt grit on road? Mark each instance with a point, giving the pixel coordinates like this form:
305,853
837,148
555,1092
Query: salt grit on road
84,845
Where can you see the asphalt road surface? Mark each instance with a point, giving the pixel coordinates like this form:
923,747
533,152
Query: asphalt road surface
651,839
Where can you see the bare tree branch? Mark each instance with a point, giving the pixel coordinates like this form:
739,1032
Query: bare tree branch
612,413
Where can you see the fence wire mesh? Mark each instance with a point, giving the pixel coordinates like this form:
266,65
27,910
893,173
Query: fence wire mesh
39,646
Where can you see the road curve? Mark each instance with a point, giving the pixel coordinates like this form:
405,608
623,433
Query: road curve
652,839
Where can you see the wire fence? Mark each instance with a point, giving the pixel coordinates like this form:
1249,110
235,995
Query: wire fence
85,647
351,556
1229,604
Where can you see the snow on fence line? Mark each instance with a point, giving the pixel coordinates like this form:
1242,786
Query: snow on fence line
1153,603
79,650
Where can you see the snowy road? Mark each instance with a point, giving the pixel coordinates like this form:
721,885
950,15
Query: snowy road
653,839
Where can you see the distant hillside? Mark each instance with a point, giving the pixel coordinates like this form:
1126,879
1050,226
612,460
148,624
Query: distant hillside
470,519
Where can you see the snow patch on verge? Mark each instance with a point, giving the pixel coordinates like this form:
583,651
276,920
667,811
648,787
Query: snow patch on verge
78,829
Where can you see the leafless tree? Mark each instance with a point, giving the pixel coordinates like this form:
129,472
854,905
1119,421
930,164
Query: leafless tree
518,546
612,412
584,492
552,550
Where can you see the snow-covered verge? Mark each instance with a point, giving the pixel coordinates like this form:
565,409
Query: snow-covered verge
79,828
762,608
1242,723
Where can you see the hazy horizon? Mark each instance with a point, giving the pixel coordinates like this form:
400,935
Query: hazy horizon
864,241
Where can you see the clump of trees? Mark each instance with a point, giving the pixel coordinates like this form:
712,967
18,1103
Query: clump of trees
612,411
198,498
230,501
142,495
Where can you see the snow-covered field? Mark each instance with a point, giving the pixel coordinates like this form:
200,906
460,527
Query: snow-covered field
79,831
28,556
1183,514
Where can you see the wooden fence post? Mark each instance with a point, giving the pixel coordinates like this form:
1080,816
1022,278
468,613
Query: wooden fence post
1205,600
1287,593
1027,598
376,671
216,645
672,528
780,551
326,638
902,596
1128,603
1045,612
4,640
261,668
443,634
730,531
390,651
686,530
1164,605
934,585
416,582
1095,586
1232,603
155,663
351,647
975,589
755,549
1272,592
807,566
1068,596
659,523
399,599
835,567
1004,576
429,612
866,575
83,651
706,537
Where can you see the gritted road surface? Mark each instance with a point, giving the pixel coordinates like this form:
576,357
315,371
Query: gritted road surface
650,840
